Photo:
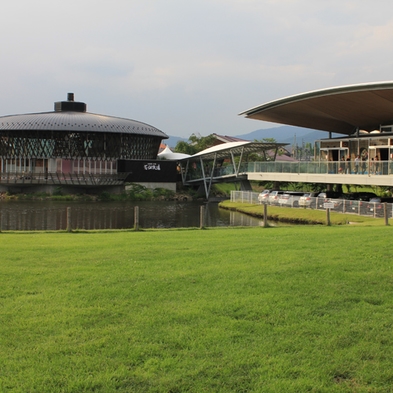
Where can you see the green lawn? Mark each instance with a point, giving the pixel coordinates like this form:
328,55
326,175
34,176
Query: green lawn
290,309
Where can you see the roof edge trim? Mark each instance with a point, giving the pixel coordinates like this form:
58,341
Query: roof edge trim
319,93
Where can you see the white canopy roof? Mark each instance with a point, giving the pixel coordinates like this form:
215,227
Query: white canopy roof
224,150
168,154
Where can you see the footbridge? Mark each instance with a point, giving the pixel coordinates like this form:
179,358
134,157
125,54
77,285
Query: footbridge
236,162
224,163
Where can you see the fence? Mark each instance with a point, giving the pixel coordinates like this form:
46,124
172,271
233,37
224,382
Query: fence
66,218
363,208
59,178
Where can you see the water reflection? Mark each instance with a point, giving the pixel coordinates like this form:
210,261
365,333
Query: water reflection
51,215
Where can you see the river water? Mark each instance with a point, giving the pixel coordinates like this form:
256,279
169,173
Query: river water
52,215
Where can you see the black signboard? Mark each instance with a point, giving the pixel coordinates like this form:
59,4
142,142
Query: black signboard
148,171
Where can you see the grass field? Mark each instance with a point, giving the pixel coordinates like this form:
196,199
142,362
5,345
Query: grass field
291,309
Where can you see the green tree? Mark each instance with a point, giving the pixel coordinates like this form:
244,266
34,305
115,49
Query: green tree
185,148
195,144
266,140
264,156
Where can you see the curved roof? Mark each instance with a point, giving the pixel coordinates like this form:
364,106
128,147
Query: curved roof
224,150
339,109
70,117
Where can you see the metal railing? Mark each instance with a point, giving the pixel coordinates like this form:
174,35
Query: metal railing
60,178
322,167
368,168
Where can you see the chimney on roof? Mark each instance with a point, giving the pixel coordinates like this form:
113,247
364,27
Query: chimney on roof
70,105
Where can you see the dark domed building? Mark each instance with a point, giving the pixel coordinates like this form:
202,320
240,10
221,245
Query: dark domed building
71,146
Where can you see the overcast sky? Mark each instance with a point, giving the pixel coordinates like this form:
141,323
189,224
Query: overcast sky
187,66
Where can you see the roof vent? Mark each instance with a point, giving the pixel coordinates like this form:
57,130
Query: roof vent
70,105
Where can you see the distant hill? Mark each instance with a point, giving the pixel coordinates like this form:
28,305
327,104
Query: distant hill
287,134
172,141
282,134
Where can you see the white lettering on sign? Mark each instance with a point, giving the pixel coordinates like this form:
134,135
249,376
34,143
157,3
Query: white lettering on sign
152,167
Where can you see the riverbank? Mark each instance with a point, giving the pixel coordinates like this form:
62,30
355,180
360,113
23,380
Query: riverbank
134,192
299,215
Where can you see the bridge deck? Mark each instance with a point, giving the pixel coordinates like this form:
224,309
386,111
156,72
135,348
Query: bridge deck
298,172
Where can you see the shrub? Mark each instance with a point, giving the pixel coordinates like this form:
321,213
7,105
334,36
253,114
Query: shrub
104,196
163,192
57,191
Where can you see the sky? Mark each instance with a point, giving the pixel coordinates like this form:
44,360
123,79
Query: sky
187,66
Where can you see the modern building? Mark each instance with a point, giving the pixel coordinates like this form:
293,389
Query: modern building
362,114
71,146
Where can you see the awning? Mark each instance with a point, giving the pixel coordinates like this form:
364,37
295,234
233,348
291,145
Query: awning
340,109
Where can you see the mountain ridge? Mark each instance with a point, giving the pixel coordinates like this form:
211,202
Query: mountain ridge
282,134
286,134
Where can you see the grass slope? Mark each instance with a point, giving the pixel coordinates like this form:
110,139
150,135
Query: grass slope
289,309
301,215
